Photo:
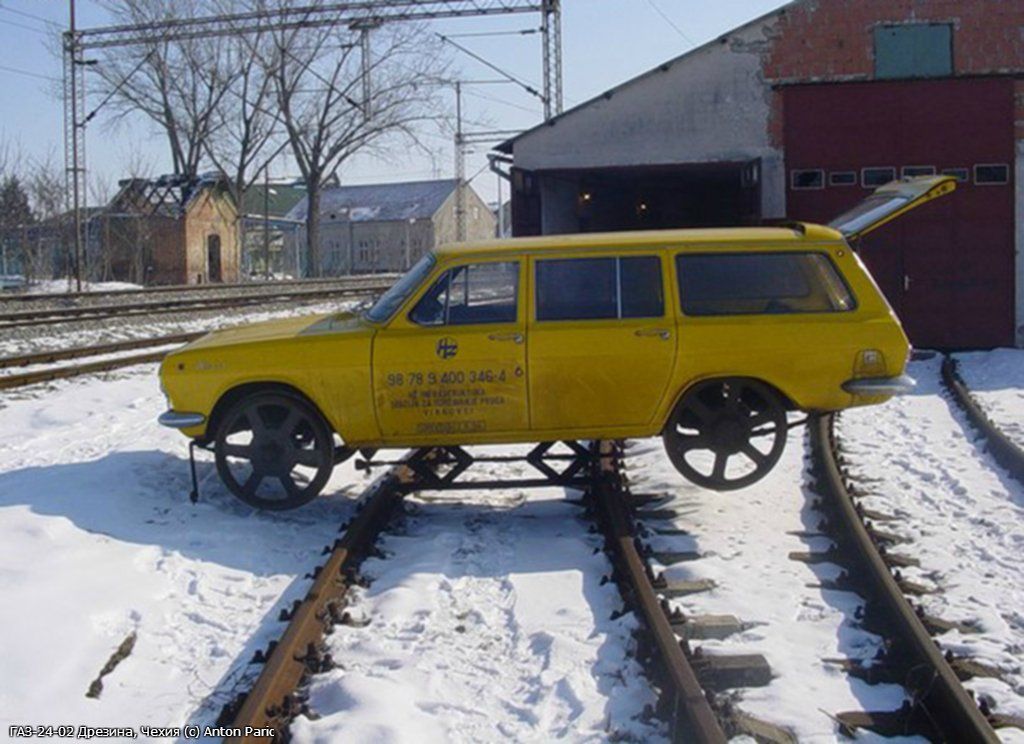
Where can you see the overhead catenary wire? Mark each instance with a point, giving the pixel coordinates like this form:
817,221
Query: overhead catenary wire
672,24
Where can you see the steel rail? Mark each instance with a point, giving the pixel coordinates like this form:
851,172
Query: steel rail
948,705
60,355
1005,451
694,720
272,702
22,319
9,382
270,286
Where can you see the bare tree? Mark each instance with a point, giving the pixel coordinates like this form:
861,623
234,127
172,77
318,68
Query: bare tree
49,248
319,87
179,85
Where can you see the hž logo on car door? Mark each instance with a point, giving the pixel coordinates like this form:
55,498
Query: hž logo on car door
447,347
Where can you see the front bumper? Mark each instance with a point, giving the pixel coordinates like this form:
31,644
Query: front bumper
881,385
181,420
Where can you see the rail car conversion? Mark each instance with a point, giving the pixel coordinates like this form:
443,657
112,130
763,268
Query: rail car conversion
706,337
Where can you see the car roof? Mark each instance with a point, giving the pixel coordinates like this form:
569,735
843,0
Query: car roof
791,233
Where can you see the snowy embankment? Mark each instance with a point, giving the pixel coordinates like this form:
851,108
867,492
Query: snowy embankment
996,381
744,539
486,621
962,515
100,541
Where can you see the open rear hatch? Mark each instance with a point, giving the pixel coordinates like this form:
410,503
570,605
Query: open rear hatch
890,201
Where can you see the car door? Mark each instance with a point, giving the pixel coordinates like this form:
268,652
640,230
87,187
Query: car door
454,365
602,346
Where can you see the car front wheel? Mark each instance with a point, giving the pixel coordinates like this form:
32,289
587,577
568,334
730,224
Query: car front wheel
274,451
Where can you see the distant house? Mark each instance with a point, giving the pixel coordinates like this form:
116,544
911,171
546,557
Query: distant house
172,230
265,227
387,227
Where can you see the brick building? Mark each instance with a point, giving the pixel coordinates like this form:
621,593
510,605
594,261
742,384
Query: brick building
172,230
797,115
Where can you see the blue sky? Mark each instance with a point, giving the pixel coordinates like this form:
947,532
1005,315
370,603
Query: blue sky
605,42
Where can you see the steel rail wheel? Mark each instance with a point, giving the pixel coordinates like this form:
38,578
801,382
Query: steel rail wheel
726,434
274,451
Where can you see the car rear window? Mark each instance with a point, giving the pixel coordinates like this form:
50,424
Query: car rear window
599,288
760,284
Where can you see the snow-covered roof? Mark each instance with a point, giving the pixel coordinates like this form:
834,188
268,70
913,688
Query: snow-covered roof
380,202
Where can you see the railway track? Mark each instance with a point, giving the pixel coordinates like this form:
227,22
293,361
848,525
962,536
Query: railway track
48,374
54,316
276,697
66,298
1003,449
937,704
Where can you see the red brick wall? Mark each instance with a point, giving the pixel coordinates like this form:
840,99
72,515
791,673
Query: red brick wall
821,40
1019,109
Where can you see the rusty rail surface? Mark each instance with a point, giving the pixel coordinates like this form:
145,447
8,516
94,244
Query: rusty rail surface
273,701
693,720
1003,449
942,704
273,285
51,316
9,382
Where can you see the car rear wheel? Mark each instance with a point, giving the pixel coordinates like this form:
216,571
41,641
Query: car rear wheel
726,434
274,451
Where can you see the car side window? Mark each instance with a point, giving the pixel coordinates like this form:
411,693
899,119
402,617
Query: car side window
760,284
471,295
599,288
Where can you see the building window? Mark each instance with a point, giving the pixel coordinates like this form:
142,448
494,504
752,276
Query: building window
960,174
914,50
807,179
910,171
842,178
873,177
991,174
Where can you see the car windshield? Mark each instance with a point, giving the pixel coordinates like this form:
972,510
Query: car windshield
400,291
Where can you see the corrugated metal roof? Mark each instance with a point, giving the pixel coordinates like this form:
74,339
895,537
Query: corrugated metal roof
379,202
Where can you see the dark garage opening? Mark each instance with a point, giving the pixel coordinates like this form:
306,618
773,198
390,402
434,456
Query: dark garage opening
636,198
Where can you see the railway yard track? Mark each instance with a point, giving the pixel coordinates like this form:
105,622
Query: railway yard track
66,299
34,367
50,316
872,625
694,688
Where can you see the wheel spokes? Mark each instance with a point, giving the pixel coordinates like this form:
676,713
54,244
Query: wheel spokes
752,453
243,451
721,460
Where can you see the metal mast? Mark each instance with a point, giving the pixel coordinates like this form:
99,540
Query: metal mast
551,31
74,136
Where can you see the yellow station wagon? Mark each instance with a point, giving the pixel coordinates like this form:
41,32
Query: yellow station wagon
705,337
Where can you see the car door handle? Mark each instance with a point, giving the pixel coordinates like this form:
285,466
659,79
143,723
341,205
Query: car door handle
663,333
514,337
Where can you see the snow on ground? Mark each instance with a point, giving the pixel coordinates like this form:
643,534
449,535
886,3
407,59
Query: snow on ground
964,516
996,381
486,621
745,538
100,540
64,286
31,339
